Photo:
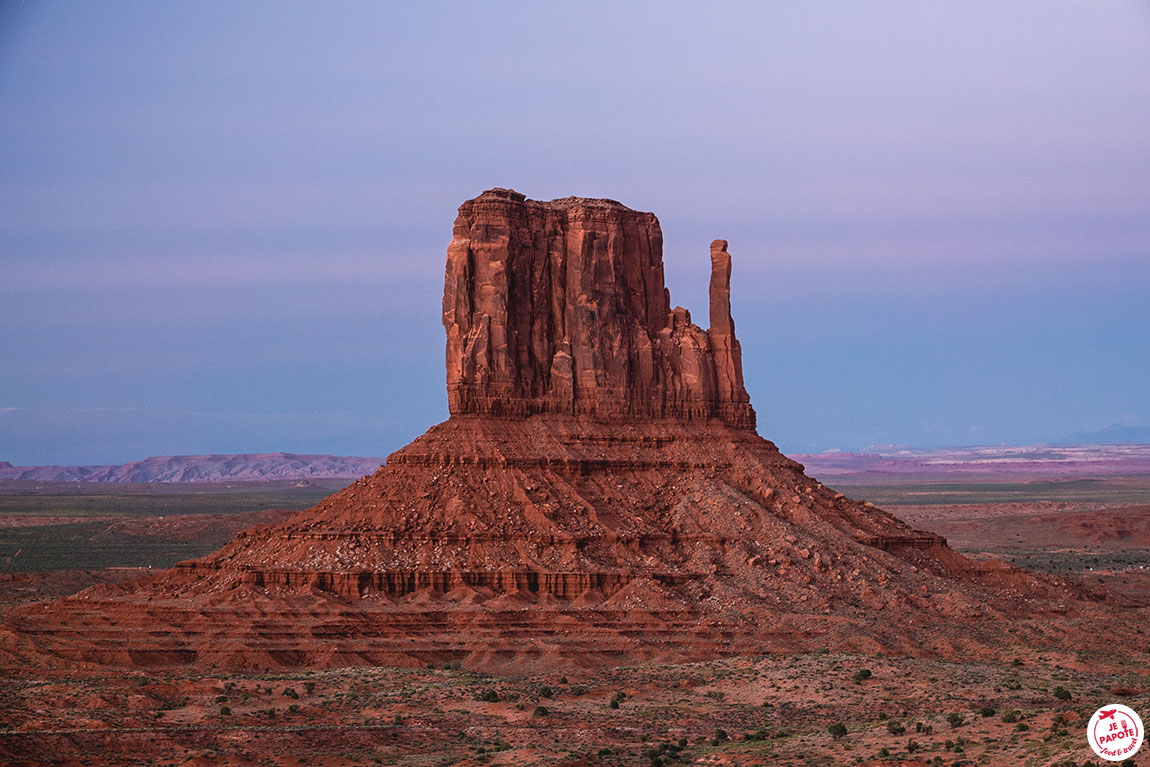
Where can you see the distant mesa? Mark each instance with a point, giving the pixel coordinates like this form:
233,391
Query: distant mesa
599,495
1069,460
202,468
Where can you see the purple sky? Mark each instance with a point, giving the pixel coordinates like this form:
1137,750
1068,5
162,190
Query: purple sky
223,225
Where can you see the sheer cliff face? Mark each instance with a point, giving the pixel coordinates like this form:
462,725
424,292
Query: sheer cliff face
561,307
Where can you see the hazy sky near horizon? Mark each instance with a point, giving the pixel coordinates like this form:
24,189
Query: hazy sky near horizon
223,225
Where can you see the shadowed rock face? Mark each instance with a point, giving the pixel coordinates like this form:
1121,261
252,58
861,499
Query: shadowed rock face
560,307
598,495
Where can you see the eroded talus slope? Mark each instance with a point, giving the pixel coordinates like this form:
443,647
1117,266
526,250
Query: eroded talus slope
599,495
598,545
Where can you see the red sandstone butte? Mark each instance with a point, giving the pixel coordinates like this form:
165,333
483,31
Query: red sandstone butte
599,494
560,307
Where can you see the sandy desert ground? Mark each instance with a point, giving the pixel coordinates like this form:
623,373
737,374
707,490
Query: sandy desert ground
769,709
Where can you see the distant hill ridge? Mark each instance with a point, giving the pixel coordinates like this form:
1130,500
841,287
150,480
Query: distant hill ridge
1115,434
202,468
1065,460
1091,458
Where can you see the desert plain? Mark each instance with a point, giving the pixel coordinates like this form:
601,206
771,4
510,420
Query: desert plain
768,709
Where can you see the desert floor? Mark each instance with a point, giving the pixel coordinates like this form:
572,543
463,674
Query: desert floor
769,709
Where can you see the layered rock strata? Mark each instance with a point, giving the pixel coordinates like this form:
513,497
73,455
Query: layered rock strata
560,307
598,495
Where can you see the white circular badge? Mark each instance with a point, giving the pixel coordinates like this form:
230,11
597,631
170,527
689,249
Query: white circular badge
1115,732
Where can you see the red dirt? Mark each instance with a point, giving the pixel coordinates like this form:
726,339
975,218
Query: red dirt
1049,524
